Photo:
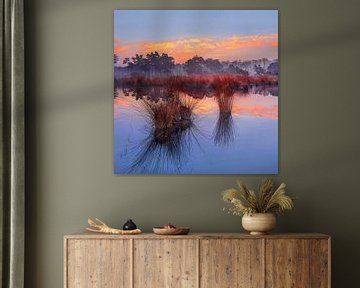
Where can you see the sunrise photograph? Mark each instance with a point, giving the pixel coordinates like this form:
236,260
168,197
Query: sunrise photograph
196,91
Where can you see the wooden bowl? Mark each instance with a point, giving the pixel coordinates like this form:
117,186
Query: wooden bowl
171,231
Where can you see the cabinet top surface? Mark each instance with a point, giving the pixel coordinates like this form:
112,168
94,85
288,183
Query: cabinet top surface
87,235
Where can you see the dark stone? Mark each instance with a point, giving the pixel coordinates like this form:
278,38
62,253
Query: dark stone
129,225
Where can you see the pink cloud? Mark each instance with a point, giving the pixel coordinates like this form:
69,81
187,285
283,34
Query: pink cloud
230,48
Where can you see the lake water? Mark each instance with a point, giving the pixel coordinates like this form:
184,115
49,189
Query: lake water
211,134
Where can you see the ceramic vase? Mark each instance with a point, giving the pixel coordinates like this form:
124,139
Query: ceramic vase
259,223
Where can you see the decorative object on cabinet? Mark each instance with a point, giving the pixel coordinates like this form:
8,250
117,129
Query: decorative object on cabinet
129,225
258,210
100,227
171,230
258,223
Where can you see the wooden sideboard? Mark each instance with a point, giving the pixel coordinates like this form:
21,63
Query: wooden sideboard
197,260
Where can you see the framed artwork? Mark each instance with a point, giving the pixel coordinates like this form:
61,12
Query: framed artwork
196,92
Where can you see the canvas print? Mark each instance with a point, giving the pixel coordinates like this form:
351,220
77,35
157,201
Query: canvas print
196,92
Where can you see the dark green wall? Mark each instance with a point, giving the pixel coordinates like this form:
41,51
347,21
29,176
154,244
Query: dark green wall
70,121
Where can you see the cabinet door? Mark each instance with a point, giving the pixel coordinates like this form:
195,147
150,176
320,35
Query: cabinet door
287,263
165,263
231,263
320,263
98,263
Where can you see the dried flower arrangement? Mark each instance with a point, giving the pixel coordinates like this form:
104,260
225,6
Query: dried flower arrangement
246,202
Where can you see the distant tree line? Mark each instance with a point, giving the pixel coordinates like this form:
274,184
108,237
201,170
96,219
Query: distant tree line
154,64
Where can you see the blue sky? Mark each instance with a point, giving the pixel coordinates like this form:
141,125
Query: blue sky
132,26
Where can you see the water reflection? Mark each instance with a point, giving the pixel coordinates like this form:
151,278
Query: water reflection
181,132
224,127
264,90
170,133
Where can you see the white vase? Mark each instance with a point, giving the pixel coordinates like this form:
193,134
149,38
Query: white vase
259,223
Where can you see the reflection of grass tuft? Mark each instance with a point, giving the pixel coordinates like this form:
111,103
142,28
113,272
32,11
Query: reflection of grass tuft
224,129
170,135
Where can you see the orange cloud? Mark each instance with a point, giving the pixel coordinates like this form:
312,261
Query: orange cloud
230,48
